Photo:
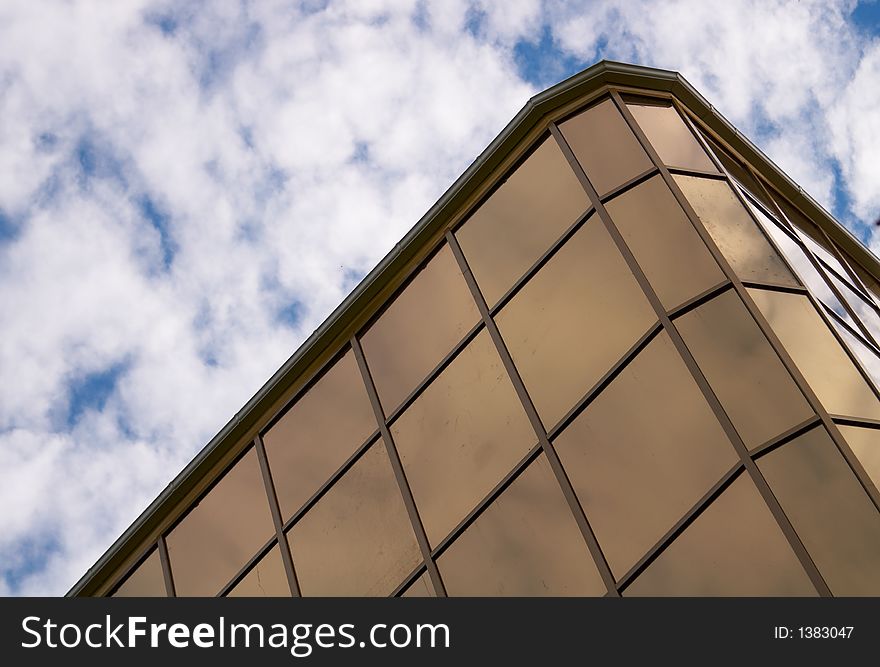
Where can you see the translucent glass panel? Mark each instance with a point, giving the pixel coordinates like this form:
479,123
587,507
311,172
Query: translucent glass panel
521,220
573,320
866,313
734,548
817,353
318,434
670,137
866,355
665,244
605,146
420,588
755,390
266,579
222,532
147,580
357,540
526,543
865,444
419,328
738,237
830,511
461,436
643,453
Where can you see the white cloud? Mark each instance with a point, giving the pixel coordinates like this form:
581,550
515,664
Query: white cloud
283,149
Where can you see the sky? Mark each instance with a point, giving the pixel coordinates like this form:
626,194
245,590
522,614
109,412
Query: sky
188,189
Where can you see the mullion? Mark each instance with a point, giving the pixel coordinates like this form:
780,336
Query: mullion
532,414
846,325
275,509
771,336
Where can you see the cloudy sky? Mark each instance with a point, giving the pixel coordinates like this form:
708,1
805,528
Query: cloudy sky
187,189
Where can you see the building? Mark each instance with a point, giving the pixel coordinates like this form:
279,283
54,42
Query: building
624,354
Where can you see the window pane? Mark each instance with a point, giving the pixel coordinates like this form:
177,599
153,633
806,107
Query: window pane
526,543
667,247
419,328
266,579
573,320
670,137
147,580
461,437
222,532
357,540
736,234
748,377
521,220
734,548
605,146
420,588
829,509
817,354
318,434
643,453
865,444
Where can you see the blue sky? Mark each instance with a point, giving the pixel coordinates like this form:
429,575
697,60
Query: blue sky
187,189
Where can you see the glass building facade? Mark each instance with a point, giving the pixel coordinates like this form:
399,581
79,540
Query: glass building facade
626,363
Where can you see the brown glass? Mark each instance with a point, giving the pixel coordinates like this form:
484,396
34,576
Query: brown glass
521,220
526,543
817,354
734,548
222,532
419,328
318,434
670,137
146,581
735,233
605,146
357,540
573,320
266,579
643,453
829,509
461,436
865,444
420,588
667,247
755,390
